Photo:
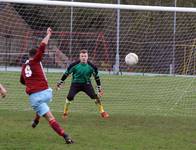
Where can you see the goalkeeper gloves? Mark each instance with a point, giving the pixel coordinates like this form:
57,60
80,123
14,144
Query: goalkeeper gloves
100,91
59,84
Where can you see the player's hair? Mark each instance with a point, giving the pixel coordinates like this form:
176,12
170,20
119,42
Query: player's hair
32,52
83,51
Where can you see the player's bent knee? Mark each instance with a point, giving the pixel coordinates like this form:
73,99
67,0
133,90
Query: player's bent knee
49,116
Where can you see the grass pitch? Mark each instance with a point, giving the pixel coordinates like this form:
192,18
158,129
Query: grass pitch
147,113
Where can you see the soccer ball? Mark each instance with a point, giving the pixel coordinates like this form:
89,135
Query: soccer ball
131,59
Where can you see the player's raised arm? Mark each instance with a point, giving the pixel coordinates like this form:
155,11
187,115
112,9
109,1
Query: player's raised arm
39,52
48,34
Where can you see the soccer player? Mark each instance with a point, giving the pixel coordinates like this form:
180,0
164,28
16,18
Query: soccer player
82,71
3,91
33,77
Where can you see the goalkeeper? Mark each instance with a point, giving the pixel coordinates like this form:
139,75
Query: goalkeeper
82,71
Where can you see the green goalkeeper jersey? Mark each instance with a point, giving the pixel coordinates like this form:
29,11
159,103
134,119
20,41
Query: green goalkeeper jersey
81,72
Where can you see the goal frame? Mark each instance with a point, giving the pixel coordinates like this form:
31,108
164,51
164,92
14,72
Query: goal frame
117,7
99,5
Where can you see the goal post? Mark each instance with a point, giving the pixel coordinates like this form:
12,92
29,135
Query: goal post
163,81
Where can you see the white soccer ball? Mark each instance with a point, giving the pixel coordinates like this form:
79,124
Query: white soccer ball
131,59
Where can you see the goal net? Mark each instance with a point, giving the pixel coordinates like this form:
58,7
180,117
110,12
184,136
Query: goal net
162,83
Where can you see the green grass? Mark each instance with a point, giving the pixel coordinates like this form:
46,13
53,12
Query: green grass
147,113
120,132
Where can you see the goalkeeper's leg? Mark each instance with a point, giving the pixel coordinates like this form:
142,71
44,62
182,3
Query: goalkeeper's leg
66,108
103,113
74,89
89,90
99,104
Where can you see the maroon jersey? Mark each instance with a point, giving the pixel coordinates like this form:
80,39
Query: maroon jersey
32,74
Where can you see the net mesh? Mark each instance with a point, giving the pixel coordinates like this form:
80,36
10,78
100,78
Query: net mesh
162,83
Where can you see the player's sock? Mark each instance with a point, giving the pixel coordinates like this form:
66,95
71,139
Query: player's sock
103,113
99,104
37,117
66,106
56,127
100,107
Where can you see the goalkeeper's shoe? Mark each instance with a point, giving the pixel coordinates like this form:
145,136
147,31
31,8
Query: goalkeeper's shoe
34,123
68,140
65,116
104,114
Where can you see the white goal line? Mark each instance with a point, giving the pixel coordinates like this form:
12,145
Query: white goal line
100,5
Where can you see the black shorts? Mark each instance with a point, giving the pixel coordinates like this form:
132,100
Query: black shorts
77,87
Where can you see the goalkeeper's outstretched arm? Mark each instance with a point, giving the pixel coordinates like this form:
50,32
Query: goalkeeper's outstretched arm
59,83
95,74
66,74
97,79
98,82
